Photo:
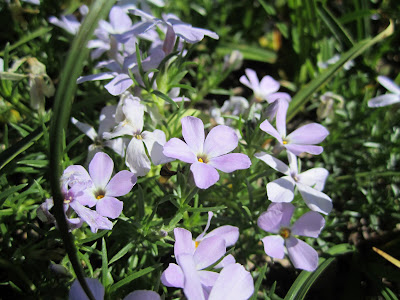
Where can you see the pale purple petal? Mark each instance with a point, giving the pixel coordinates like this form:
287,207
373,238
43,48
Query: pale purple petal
201,235
119,20
99,76
192,34
298,149
100,169
269,85
309,134
119,84
243,79
302,255
209,251
109,207
173,276
314,178
227,260
204,175
273,162
220,140
183,242
281,189
389,84
193,133
233,283
252,76
87,198
279,95
281,112
107,119
121,184
268,128
207,279
85,128
384,100
315,200
155,142
118,145
192,287
278,215
77,293
274,246
91,217
142,295
178,149
76,174
231,162
229,233
310,224
134,113
136,158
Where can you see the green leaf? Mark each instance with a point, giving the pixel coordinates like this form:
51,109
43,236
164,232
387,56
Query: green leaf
249,52
303,96
206,209
10,191
258,282
12,76
165,98
121,253
104,263
305,280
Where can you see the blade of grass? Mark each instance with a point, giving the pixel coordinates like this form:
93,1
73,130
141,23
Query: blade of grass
62,110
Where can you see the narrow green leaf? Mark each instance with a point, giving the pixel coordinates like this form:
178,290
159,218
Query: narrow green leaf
121,253
10,191
249,52
12,76
104,263
259,280
165,98
206,209
303,96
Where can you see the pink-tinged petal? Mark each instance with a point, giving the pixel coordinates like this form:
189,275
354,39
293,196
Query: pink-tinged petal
91,217
77,293
220,140
268,128
314,178
155,142
310,224
193,133
284,211
231,162
384,100
229,233
233,283
183,242
85,128
209,251
204,175
173,276
99,76
178,149
136,158
281,189
121,184
274,246
142,295
309,134
207,279
227,260
269,85
281,112
302,255
315,200
107,119
389,84
299,149
119,84
275,96
192,287
100,169
201,235
109,207
273,162
252,76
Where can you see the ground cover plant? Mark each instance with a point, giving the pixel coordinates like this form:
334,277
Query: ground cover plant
199,149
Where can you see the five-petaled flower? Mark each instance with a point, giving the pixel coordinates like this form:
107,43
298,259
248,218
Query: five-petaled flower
387,99
277,220
206,154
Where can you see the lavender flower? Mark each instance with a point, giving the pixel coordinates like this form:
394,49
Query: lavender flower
277,220
299,141
69,22
310,183
206,155
99,190
387,99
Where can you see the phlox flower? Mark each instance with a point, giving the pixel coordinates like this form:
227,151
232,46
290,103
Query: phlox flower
302,139
235,106
206,154
107,122
77,293
277,220
387,99
69,22
98,190
309,183
131,123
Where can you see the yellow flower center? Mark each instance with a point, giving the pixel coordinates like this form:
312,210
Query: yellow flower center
138,137
284,142
196,244
200,160
99,197
284,232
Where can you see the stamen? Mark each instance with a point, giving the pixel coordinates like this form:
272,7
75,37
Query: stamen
99,197
284,142
138,137
196,244
284,232
200,160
